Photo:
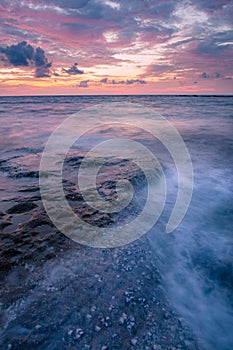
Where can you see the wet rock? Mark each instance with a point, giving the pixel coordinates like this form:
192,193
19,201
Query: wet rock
50,255
74,161
4,224
22,208
93,308
106,322
74,197
11,252
38,326
122,319
97,328
134,341
131,325
20,174
30,189
79,333
5,267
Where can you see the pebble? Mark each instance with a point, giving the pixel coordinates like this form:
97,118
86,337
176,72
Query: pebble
122,319
134,341
79,333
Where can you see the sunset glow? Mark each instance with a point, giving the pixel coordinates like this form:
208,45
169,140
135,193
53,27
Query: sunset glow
116,47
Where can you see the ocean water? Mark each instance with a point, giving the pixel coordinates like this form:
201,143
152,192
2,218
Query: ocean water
195,261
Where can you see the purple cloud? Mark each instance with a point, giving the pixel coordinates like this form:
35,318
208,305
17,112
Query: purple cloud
24,55
73,70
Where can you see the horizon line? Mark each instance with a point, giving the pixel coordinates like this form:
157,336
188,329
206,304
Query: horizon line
119,95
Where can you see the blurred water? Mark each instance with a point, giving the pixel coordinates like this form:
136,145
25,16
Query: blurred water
195,261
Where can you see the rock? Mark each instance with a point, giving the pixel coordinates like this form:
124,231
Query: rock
74,197
97,328
50,255
106,322
122,319
30,189
21,208
4,224
79,333
11,252
134,341
20,174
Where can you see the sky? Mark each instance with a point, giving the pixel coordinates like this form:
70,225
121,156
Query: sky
81,47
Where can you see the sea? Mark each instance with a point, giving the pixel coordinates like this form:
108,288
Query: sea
194,262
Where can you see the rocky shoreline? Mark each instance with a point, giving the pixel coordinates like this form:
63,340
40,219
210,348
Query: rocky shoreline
57,294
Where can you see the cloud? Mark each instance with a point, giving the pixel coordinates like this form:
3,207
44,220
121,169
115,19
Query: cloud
73,70
215,75
104,80
42,64
156,69
84,84
122,82
204,75
19,55
162,39
71,4
25,55
43,71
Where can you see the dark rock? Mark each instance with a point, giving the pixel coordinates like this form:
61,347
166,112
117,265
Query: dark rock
31,174
30,189
5,267
21,208
11,252
4,224
74,197
50,255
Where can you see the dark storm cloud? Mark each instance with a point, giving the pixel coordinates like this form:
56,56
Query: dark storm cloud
73,70
25,55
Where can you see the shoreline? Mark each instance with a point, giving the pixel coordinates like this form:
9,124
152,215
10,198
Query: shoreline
59,294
